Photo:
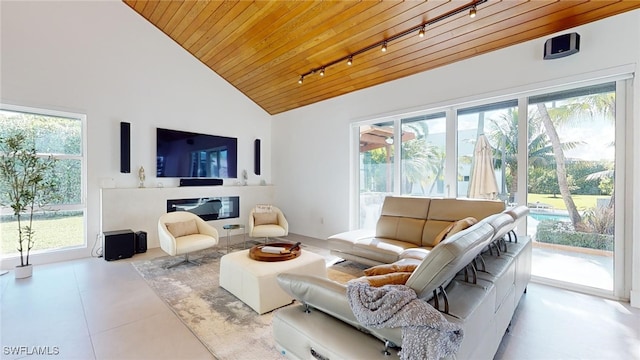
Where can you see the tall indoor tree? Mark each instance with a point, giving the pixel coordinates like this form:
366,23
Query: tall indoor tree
28,184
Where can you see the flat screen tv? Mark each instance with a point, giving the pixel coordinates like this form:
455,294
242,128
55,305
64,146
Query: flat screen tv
184,154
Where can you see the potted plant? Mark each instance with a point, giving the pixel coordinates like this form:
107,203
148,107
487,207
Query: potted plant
27,184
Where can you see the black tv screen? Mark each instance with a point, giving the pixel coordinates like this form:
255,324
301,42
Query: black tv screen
191,155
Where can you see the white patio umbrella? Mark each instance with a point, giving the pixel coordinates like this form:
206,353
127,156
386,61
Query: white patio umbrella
483,184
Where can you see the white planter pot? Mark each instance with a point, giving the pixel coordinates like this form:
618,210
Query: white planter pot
24,271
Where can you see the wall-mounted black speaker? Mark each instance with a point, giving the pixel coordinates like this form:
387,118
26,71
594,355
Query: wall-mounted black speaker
200,182
561,46
141,242
125,147
119,244
256,156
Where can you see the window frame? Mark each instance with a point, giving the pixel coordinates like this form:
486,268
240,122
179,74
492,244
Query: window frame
621,76
82,205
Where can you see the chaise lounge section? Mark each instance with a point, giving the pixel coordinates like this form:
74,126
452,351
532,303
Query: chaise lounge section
474,277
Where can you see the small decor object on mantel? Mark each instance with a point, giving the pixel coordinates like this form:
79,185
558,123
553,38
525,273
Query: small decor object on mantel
141,177
244,177
27,184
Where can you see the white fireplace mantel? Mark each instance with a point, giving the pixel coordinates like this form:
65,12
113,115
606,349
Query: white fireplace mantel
138,209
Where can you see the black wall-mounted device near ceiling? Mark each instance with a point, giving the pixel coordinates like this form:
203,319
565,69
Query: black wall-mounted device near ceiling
561,46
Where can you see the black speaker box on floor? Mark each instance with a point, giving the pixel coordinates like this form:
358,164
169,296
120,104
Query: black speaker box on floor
561,46
200,182
125,147
141,242
119,244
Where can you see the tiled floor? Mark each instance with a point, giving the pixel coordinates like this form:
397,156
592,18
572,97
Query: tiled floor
93,309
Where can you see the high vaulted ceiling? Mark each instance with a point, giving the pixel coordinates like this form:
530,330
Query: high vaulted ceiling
263,47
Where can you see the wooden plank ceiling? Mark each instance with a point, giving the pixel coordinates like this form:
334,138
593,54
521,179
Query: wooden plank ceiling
263,47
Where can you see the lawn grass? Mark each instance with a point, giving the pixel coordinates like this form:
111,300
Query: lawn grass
583,202
50,233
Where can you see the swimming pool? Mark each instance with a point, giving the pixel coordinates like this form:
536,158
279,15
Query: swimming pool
554,217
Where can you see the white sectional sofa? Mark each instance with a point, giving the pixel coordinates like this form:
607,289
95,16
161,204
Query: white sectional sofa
474,277
407,223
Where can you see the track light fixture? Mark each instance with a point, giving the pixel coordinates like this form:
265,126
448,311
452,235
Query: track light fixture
471,7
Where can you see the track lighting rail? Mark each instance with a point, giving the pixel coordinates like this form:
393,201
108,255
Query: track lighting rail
471,7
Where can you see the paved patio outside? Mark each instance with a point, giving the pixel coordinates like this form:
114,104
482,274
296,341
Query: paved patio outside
593,269
574,267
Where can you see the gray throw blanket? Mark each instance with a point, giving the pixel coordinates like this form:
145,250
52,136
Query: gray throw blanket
426,334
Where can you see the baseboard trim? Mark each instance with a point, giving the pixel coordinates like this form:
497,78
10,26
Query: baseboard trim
634,299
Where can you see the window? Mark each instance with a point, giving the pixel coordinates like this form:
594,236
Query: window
418,170
571,185
554,151
376,156
497,123
61,135
423,155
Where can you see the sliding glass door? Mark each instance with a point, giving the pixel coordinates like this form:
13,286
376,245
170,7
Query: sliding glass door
552,151
487,150
572,192
403,156
423,155
376,158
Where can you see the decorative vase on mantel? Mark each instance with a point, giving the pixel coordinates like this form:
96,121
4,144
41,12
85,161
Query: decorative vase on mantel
23,272
141,177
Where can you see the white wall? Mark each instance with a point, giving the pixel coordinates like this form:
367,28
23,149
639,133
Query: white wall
104,60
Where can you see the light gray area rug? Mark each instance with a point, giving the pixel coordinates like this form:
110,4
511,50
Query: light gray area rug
225,325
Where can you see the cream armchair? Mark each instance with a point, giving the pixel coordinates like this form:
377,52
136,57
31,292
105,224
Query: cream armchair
267,221
182,232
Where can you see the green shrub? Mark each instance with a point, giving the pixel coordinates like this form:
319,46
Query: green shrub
599,220
561,233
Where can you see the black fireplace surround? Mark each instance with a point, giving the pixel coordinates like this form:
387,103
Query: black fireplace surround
208,208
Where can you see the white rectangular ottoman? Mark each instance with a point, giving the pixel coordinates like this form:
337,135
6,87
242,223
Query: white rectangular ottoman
254,282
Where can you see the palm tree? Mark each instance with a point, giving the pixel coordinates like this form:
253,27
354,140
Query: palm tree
415,163
605,104
504,133
561,168
602,103
421,160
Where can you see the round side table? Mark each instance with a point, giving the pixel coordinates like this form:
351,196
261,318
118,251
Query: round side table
231,227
